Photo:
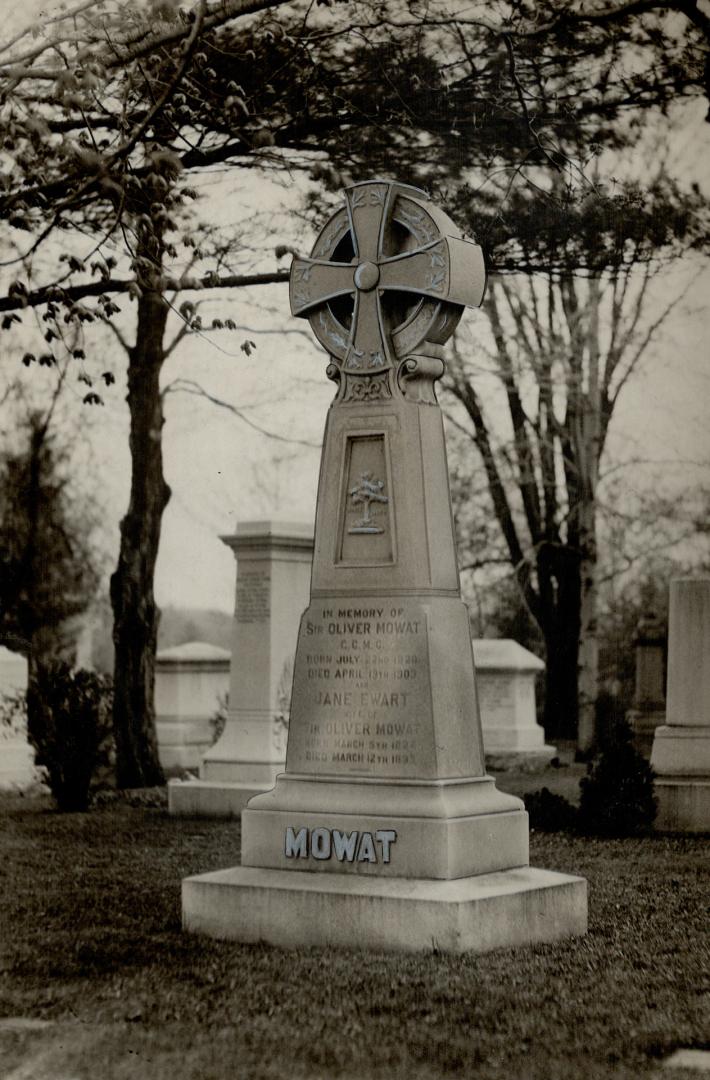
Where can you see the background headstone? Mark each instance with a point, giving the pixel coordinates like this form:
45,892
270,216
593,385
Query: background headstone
648,709
384,831
17,768
505,680
681,747
191,684
273,576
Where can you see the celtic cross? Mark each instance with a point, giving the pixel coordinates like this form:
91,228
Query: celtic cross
388,272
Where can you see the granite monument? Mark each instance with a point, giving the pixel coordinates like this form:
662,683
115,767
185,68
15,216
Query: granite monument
681,747
384,831
273,574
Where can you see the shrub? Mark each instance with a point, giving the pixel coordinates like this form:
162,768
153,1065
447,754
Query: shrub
74,736
549,812
616,797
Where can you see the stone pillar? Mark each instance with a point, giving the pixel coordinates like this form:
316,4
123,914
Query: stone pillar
190,682
17,768
648,710
505,680
681,747
273,578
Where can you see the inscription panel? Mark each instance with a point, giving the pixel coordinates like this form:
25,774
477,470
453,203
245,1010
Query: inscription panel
362,693
253,594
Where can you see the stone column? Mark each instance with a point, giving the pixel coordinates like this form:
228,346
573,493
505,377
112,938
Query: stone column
681,747
648,710
273,578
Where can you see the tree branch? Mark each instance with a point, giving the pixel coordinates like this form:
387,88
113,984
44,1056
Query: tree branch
73,293
188,386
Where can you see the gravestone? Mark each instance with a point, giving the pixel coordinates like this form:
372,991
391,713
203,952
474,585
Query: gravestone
191,681
505,680
681,746
385,831
648,709
273,575
17,767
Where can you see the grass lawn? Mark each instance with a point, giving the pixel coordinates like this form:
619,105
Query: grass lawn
90,941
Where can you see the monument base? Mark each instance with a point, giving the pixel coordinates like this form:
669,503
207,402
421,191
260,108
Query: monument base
528,761
291,909
210,798
681,760
683,804
441,829
643,724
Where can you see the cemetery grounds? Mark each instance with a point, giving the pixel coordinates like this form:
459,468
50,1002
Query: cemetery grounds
98,980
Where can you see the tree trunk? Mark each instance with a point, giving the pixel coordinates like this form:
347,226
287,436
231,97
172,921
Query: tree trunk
136,615
561,705
588,666
559,576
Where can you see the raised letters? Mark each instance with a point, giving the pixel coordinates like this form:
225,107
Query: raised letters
296,844
365,689
322,843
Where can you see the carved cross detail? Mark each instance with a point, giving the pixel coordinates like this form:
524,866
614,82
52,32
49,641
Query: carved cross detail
402,244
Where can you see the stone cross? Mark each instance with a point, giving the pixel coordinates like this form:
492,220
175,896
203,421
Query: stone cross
388,247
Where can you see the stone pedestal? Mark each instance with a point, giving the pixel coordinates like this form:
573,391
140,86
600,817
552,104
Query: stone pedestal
17,767
385,831
191,681
648,709
273,575
681,747
505,680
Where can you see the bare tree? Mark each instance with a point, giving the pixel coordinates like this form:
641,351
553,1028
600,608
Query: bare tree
562,351
113,105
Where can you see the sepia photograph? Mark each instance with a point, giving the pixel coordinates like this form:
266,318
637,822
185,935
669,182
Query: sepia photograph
354,539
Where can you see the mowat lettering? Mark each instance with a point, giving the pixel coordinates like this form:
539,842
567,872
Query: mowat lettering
346,847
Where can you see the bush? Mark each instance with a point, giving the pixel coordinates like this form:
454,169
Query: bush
549,812
617,794
73,738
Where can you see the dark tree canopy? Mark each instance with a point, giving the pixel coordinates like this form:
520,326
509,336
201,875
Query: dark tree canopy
48,571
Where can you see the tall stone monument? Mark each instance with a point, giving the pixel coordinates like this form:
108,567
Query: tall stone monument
681,746
384,831
273,574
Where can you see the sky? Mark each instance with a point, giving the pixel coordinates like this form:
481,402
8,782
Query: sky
222,470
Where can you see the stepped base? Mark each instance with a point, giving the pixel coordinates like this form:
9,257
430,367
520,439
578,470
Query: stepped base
290,909
210,798
681,759
520,760
683,804
439,829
